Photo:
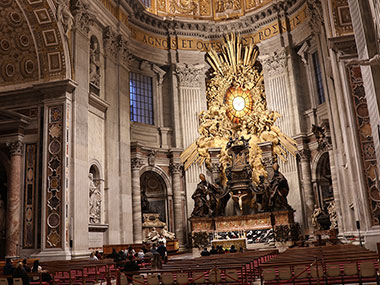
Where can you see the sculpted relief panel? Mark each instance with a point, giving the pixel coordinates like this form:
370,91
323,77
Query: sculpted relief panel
205,9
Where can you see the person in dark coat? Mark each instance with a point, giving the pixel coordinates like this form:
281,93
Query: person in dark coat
213,250
161,249
130,266
26,267
8,267
20,272
205,252
233,249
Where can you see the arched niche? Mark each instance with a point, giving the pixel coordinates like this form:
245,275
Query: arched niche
323,181
95,65
96,195
154,188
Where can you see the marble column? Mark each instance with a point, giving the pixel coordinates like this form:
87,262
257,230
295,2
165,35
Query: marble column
307,185
136,200
14,200
179,210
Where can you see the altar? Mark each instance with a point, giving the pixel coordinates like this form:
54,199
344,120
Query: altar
237,242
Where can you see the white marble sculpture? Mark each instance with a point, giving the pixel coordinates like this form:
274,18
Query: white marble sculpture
95,201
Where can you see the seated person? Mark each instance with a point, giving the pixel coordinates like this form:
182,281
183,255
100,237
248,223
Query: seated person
130,266
219,249
20,272
26,267
205,252
233,249
38,269
92,256
8,267
213,250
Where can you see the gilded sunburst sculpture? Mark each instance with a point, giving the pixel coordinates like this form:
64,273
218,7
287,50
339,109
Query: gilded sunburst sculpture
237,108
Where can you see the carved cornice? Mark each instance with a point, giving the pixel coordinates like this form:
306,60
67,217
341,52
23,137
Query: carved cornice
190,75
15,148
111,43
275,63
136,163
83,18
176,168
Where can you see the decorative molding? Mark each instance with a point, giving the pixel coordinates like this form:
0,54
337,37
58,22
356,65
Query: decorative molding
136,163
29,195
97,102
367,147
124,54
276,63
55,156
152,157
15,148
190,75
83,18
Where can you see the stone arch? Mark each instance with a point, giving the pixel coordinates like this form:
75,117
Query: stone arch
98,168
160,172
32,47
322,179
154,192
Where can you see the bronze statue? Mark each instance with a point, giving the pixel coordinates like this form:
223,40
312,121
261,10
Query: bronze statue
279,190
201,204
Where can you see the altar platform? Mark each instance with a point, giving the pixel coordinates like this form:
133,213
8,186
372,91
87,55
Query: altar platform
258,221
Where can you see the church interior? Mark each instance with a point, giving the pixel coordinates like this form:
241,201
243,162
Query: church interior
248,124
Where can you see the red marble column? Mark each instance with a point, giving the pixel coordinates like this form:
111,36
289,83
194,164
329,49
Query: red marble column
14,200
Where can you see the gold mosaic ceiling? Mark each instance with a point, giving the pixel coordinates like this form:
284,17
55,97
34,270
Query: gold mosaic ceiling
203,9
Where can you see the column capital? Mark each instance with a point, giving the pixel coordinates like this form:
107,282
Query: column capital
83,18
136,163
275,63
111,43
189,75
176,168
15,148
304,154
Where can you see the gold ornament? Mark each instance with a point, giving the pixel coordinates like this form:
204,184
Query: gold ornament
237,107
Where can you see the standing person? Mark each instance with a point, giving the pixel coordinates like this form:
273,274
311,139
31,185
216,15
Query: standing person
163,252
153,249
20,272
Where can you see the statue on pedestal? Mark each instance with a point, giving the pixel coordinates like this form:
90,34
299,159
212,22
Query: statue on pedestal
201,204
279,190
314,218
